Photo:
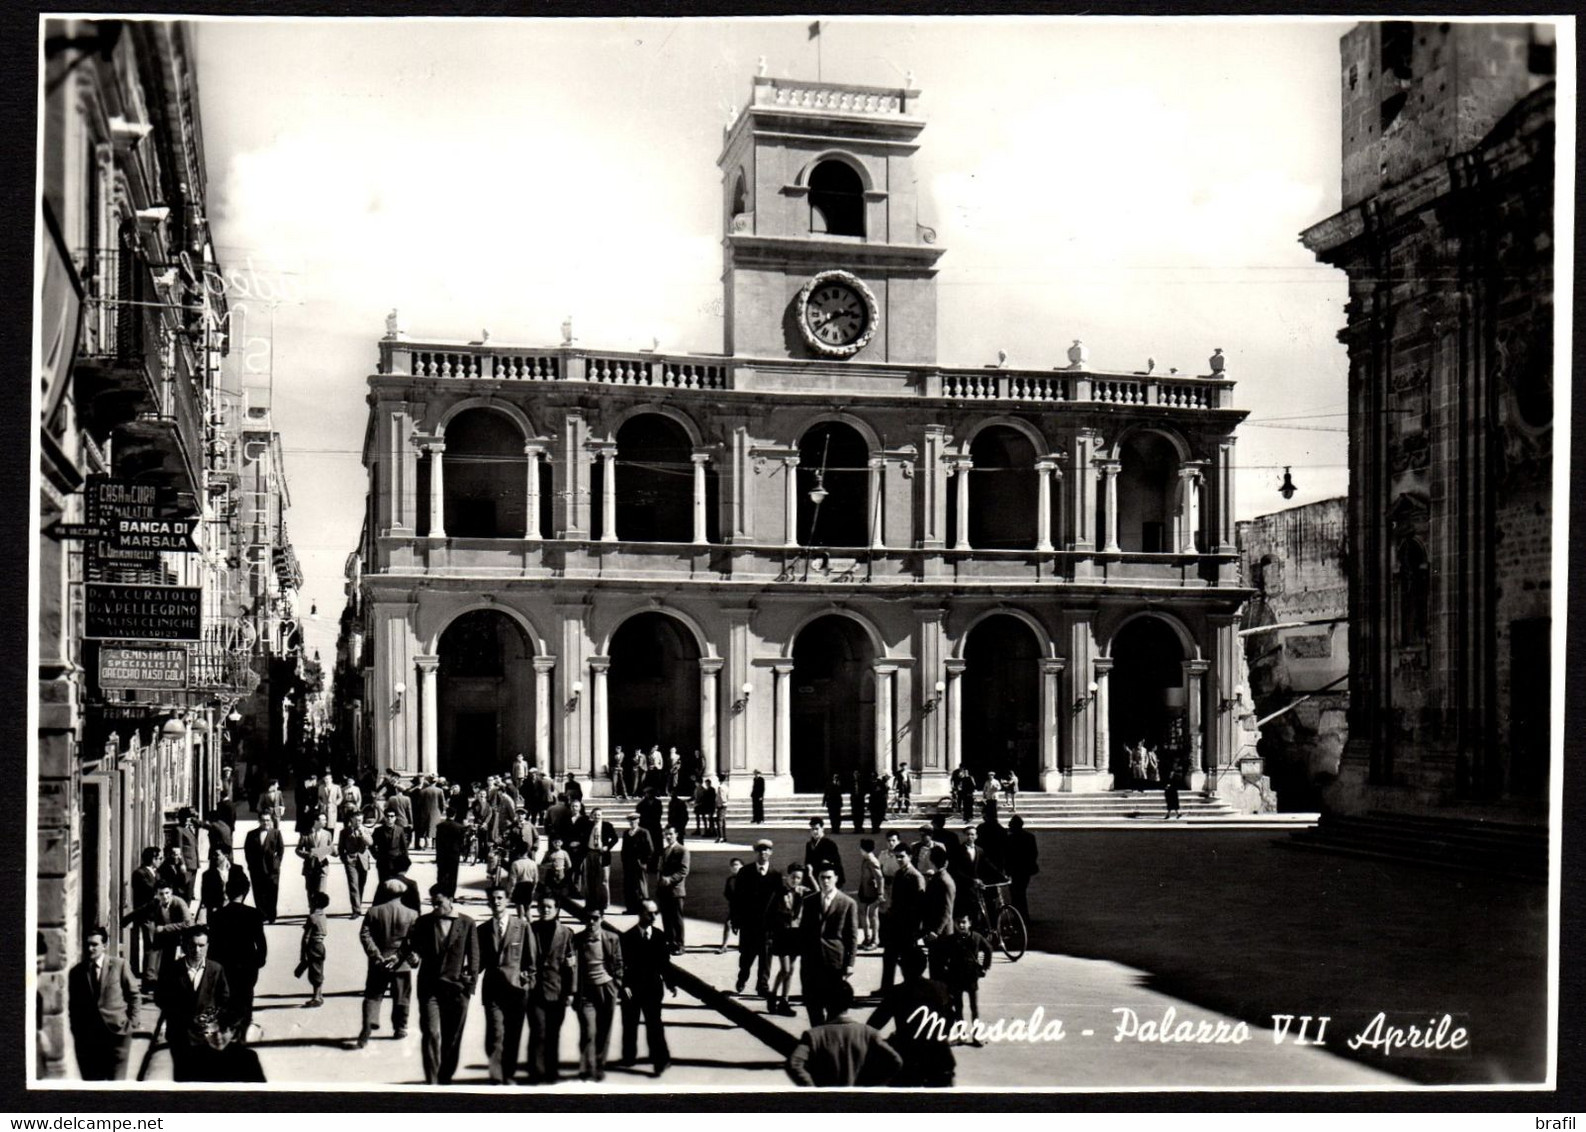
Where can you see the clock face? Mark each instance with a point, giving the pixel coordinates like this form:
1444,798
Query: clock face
837,313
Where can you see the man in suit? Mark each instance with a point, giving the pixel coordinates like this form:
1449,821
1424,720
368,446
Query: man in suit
508,960
752,891
173,871
164,923
196,1000
671,886
384,932
646,969
353,846
820,852
390,839
237,943
102,1003
187,846
556,978
936,909
218,828
212,887
757,800
840,1052
900,923
142,883
829,927
450,837
599,989
637,850
430,806
273,802
1021,857
315,848
263,849
446,947
400,806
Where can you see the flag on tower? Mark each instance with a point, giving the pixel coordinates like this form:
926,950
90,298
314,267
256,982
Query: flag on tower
815,30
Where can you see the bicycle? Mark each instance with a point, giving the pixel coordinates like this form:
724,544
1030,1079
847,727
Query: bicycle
1006,930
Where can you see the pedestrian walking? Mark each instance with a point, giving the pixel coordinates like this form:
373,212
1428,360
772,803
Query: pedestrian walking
102,1008
446,947
314,848
600,978
311,949
212,888
829,931
968,958
451,837
353,846
1021,859
556,981
833,801
734,867
237,942
1170,798
263,849
753,888
916,1006
782,937
390,841
671,887
636,852
647,970
722,792
507,965
842,1052
820,850
757,800
383,935
900,923
871,886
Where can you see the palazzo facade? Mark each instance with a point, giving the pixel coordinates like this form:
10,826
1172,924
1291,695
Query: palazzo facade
816,552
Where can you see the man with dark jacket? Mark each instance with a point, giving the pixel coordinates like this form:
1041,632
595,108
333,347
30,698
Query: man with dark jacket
677,815
757,799
637,851
922,1009
599,991
833,801
752,890
102,1004
196,1001
651,810
829,933
508,960
450,836
263,849
840,1052
647,968
237,943
819,851
390,839
900,923
384,937
446,948
936,908
1021,861
671,886
556,980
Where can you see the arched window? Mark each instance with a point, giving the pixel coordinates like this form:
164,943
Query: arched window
1413,593
485,470
837,200
834,487
740,196
1147,484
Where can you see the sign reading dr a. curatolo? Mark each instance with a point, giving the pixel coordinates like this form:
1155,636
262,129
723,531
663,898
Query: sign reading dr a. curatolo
157,667
122,612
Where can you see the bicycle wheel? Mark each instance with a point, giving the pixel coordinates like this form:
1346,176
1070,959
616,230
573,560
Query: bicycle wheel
1011,933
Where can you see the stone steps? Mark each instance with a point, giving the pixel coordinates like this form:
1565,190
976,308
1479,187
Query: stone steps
1037,810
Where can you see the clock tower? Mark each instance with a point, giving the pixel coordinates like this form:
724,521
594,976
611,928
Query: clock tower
824,255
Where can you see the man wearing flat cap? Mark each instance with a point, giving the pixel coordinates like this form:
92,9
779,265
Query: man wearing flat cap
753,888
638,848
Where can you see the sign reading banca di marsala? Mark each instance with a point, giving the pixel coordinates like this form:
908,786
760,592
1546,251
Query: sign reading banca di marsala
117,611
161,667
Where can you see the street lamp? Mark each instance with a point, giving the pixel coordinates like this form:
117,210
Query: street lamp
397,690
743,700
1084,701
578,691
931,704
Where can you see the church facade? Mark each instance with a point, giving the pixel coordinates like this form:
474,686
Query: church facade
816,553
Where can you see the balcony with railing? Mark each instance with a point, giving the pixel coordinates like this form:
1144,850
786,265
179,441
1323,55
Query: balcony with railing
714,374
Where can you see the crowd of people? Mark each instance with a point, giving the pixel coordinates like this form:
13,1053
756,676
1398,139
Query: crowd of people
199,945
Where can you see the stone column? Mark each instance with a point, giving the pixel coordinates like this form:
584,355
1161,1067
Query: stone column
1109,471
429,710
1085,772
600,723
782,749
931,744
1222,738
883,754
1194,691
437,451
962,468
608,492
1043,516
935,487
403,473
573,477
955,713
709,682
1189,479
531,519
699,460
543,667
1051,764
790,498
1102,704
878,469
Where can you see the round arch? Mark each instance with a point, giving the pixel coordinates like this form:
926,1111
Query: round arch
842,155
525,622
1186,638
878,644
485,707
615,622
833,702
1018,424
653,686
864,428
1148,707
1181,447
1042,636
1000,693
518,416
675,415
834,485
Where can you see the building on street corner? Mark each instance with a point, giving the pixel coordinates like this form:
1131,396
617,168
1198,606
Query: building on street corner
149,634
817,552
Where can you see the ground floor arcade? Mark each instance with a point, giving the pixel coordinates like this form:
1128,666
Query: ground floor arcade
802,687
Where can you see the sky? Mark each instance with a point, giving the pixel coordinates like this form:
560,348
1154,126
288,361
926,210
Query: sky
1137,184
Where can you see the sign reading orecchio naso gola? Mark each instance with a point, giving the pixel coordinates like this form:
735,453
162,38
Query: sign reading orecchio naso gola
162,667
147,613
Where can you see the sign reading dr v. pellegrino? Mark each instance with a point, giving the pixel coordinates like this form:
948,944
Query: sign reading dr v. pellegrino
143,613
